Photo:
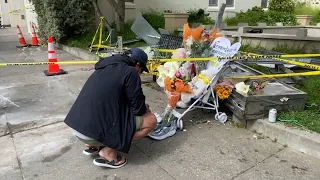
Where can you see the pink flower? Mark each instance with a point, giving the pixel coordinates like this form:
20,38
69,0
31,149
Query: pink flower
178,74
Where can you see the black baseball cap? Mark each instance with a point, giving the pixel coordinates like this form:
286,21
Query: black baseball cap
140,56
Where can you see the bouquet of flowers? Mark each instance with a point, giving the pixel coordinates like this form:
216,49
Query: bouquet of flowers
173,88
255,87
224,90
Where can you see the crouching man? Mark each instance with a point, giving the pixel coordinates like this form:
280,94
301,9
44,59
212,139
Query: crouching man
110,111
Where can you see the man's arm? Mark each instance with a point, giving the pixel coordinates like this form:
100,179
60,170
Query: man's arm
134,93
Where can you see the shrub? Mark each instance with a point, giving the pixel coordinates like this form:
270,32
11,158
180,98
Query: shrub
257,14
285,6
154,18
199,16
272,17
316,18
252,17
60,18
231,21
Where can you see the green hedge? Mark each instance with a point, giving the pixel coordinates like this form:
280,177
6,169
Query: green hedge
155,18
60,18
257,15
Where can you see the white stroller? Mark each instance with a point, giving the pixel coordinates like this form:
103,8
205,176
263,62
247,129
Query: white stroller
166,129
208,100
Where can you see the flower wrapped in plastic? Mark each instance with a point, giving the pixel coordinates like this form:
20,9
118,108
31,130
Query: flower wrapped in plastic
224,90
173,88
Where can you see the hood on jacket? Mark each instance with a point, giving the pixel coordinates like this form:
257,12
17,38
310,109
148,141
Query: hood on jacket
114,59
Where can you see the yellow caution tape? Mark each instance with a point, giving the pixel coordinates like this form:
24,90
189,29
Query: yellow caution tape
14,11
47,63
313,73
278,58
126,48
243,57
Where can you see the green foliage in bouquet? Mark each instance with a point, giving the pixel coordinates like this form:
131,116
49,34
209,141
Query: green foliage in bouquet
200,49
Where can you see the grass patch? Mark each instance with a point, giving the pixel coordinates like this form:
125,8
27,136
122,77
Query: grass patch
80,41
310,117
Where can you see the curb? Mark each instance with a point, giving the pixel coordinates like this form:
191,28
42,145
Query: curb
78,52
9,128
300,140
4,130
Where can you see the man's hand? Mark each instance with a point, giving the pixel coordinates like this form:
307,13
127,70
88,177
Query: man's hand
147,106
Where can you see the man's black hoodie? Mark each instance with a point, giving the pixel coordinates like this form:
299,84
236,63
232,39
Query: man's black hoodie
106,107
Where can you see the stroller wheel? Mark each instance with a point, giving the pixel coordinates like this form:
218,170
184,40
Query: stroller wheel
221,117
180,124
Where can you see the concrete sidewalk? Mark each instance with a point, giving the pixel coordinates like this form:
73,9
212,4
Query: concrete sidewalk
28,98
204,151
37,145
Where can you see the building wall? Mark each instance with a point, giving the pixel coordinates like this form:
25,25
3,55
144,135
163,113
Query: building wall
31,16
184,5
4,9
18,17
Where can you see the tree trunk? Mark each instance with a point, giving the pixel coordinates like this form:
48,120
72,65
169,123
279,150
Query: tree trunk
119,11
98,12
119,18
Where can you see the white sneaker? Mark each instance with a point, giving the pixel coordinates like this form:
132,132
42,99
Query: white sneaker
165,132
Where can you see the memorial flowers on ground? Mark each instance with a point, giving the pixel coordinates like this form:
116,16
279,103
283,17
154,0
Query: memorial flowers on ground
186,80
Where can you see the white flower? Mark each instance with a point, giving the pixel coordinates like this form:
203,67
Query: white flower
160,81
172,68
169,69
241,87
189,41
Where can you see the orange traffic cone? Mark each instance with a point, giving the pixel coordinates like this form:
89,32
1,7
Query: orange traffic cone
53,69
34,39
22,41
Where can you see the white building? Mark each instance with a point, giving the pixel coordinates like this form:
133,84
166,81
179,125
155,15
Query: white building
13,13
134,7
4,9
31,16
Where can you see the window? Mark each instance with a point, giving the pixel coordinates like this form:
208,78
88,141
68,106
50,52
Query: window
5,1
264,3
229,3
213,2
